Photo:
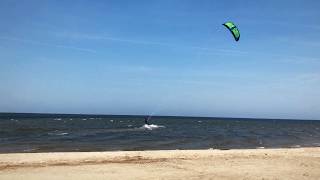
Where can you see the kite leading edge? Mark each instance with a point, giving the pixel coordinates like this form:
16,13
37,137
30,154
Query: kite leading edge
233,29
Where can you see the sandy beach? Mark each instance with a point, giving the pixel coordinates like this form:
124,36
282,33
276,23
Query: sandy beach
298,163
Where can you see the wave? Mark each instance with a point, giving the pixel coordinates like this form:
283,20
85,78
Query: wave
295,146
260,147
151,126
58,133
30,150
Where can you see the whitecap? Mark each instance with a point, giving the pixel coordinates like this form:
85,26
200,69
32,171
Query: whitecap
58,133
57,119
151,126
29,150
295,146
61,134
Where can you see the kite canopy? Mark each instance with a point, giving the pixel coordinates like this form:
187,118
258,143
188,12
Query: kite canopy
233,29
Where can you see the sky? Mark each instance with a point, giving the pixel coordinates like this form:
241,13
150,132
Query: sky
168,57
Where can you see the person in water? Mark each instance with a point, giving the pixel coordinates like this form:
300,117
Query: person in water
146,120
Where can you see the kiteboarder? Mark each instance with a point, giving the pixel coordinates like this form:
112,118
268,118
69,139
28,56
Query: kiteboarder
146,120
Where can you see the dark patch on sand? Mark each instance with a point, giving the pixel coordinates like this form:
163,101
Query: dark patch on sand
122,160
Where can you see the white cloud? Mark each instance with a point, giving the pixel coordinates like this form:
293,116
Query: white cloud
48,44
309,77
298,59
83,36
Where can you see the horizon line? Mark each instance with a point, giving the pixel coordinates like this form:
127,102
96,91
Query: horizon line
143,115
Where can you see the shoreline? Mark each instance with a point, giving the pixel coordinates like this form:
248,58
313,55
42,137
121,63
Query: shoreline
287,163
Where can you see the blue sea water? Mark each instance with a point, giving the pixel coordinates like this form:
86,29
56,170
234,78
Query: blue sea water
58,132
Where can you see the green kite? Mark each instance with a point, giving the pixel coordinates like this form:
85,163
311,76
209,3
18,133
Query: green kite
233,29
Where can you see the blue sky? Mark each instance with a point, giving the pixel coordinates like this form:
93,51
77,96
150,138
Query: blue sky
168,57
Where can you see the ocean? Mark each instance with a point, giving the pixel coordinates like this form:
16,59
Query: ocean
62,132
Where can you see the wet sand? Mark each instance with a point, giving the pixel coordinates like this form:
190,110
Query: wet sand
296,163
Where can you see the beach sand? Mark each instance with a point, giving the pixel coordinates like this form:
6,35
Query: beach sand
297,163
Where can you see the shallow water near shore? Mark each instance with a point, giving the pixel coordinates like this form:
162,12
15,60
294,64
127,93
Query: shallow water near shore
55,133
